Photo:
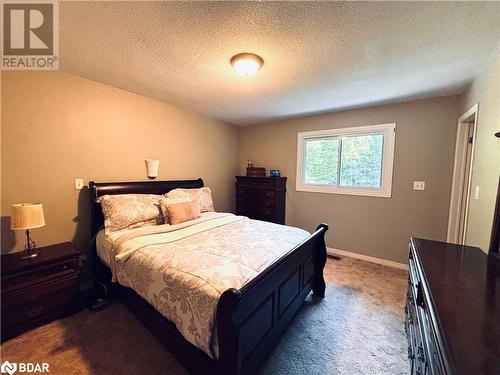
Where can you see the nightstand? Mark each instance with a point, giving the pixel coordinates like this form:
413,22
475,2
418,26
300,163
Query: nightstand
38,290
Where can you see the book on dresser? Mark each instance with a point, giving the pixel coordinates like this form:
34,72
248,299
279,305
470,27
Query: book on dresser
38,290
452,310
261,198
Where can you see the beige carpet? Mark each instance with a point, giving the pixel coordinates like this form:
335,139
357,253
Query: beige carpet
356,329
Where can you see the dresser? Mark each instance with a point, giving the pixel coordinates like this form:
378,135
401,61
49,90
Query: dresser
261,198
38,290
452,312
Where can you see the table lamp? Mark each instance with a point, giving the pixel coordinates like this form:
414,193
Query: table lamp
26,216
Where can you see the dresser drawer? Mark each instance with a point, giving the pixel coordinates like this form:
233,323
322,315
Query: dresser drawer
410,329
413,273
257,182
23,279
256,201
254,212
420,362
248,191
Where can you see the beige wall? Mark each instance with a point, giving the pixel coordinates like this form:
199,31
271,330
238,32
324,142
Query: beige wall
378,227
485,90
57,127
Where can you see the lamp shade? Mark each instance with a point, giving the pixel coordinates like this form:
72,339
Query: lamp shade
27,216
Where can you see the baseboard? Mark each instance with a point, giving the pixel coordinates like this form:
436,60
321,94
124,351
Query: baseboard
367,258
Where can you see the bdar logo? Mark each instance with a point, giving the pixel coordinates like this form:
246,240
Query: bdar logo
8,368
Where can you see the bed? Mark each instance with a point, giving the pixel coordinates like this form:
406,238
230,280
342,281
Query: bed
250,317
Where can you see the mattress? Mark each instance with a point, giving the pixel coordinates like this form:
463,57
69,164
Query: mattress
104,244
183,271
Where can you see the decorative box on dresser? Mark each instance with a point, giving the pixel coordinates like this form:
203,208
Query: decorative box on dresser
38,290
261,198
452,309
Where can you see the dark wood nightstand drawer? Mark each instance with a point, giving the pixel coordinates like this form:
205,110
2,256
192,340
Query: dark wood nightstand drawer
25,278
45,288
33,304
38,290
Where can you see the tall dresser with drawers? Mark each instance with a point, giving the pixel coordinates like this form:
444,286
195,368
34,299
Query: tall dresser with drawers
452,309
261,198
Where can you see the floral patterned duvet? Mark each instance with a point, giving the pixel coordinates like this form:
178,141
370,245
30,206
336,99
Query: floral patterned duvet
183,273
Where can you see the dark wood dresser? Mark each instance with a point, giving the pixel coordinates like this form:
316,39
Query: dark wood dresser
452,309
38,290
261,198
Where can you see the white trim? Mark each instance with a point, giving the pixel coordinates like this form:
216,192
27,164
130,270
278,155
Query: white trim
367,258
459,170
389,131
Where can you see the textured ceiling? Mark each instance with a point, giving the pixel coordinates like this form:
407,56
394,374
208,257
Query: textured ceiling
319,56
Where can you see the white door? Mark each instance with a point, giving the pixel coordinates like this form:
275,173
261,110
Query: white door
461,183
464,199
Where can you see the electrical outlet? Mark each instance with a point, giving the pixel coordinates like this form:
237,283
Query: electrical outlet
79,183
418,185
476,193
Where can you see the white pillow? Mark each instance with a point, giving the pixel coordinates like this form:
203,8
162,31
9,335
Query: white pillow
202,197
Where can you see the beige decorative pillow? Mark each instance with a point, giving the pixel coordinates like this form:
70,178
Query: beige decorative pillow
181,212
202,197
126,211
164,202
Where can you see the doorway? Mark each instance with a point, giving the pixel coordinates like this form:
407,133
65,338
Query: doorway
462,174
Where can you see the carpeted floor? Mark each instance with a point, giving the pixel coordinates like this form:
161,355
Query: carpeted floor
356,329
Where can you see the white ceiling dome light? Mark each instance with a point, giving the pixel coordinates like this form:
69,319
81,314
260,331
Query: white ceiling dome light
246,64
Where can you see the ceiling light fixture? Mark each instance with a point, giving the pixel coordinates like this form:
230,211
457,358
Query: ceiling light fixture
246,64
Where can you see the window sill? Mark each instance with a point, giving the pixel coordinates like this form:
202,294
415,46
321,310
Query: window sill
345,191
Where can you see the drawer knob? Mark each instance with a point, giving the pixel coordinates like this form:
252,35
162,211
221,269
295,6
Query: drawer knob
65,267
420,354
420,295
34,311
410,353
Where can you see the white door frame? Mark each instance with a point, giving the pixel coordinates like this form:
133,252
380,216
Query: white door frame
459,170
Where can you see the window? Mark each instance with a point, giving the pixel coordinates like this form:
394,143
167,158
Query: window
356,161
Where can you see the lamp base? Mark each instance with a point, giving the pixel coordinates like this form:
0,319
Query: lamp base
30,255
30,250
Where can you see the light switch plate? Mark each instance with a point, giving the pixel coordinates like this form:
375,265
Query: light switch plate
476,193
79,183
418,185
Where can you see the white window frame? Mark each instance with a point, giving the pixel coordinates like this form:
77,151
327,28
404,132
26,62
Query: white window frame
385,190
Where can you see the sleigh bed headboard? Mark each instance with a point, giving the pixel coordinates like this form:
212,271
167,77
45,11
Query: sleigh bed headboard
98,189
